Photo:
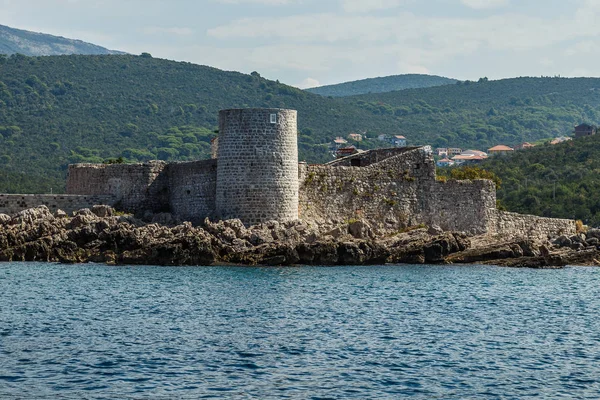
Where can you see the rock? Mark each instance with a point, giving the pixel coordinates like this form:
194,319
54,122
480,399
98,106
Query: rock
60,214
577,246
563,241
593,233
435,230
4,218
360,230
32,215
84,212
577,239
336,233
593,241
103,211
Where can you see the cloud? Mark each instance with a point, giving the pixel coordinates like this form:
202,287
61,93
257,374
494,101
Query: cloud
485,4
157,30
308,83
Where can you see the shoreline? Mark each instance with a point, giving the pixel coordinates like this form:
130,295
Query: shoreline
101,235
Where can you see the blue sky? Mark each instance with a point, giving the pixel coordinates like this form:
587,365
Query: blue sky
310,42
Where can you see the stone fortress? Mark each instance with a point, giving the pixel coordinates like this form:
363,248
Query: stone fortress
256,177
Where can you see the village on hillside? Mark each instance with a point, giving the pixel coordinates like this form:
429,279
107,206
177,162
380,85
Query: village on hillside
448,156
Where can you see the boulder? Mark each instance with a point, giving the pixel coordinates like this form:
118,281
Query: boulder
563,241
360,230
435,230
60,214
4,218
103,211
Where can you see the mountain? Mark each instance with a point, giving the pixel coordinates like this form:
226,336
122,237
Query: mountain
382,85
39,44
552,180
482,114
65,109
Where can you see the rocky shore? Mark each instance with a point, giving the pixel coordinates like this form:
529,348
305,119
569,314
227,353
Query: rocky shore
101,235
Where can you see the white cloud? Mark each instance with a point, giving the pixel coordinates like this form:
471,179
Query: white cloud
485,4
308,83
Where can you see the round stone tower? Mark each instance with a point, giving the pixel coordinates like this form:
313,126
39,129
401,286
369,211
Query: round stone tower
257,167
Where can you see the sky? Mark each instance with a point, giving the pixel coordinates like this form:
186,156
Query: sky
309,43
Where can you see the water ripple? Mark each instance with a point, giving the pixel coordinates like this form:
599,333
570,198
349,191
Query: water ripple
92,331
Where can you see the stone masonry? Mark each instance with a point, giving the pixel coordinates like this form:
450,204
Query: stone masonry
257,172
256,177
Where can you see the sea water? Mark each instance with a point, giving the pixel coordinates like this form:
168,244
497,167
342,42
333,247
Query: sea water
381,332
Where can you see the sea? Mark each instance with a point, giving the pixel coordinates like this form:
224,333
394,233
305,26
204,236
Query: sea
369,332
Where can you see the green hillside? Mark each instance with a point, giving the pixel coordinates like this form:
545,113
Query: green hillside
482,114
382,85
40,44
561,181
65,109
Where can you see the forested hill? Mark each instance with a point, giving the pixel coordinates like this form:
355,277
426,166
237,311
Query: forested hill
382,85
562,180
40,44
64,109
485,113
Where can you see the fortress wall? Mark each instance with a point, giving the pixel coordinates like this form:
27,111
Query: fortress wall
13,203
531,226
192,189
137,187
257,173
387,194
460,205
370,157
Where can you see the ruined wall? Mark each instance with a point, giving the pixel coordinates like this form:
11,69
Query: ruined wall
257,172
13,203
192,189
369,157
508,223
388,194
137,187
460,205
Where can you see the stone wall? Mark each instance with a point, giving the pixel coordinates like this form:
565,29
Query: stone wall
508,223
192,189
13,203
388,194
257,172
137,187
459,205
367,158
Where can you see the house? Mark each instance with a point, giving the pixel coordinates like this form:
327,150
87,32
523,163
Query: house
454,151
468,159
584,130
524,146
357,137
500,149
339,142
346,151
442,151
399,141
382,138
474,153
445,162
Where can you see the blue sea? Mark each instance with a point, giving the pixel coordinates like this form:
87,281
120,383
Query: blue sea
383,332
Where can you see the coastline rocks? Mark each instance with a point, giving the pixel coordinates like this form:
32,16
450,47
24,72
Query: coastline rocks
99,235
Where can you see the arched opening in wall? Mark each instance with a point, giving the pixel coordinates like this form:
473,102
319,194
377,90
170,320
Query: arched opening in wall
188,191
